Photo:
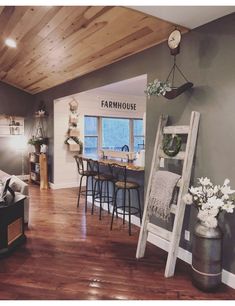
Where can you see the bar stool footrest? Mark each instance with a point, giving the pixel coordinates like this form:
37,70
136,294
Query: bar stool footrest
127,212
104,199
89,192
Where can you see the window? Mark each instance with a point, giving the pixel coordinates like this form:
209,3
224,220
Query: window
112,133
91,135
138,135
115,133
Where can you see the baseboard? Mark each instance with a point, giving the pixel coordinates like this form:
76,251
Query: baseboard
63,185
228,278
66,185
23,177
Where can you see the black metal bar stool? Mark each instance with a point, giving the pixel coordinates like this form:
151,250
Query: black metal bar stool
126,186
102,181
85,169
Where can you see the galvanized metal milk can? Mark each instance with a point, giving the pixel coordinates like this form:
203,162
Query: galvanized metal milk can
206,257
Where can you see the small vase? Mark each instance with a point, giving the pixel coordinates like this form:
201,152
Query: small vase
206,257
37,148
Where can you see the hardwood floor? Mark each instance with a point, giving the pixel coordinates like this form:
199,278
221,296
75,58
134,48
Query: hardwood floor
70,255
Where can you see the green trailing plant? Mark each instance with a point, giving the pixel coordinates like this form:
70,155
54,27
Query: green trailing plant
38,141
157,88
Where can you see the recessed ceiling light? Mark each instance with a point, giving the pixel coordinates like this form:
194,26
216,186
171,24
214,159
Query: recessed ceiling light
10,43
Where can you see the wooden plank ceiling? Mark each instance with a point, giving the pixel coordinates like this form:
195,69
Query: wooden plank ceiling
57,44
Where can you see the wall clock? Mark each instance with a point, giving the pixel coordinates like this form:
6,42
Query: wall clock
174,40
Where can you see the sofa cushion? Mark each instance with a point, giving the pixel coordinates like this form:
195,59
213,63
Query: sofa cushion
17,185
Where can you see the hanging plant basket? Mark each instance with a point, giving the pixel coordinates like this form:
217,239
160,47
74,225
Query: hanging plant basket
74,144
176,91
167,88
74,132
74,147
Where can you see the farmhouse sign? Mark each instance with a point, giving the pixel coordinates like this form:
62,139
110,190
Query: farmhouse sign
116,105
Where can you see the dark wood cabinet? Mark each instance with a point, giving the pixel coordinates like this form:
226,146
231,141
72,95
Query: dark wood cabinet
11,224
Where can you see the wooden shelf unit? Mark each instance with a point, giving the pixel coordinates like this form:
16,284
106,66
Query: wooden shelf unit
38,173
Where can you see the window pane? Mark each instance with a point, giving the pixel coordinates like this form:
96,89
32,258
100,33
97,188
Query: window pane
90,145
138,143
138,135
138,127
91,126
90,129
115,133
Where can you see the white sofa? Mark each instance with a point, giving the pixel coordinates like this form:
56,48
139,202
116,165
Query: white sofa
19,186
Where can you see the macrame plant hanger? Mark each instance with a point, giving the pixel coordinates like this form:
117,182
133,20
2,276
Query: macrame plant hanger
176,91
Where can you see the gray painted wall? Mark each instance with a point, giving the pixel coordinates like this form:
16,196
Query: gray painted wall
16,102
207,59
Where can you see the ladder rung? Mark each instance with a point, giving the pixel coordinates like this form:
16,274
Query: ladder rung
173,208
180,155
179,183
159,231
180,129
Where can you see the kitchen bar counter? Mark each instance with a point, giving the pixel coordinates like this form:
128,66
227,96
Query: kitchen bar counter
129,165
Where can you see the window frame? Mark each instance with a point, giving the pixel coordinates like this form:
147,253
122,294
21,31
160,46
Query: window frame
100,131
138,135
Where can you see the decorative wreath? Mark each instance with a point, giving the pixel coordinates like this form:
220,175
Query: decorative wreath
171,144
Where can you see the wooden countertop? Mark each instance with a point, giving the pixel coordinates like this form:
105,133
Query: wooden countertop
129,165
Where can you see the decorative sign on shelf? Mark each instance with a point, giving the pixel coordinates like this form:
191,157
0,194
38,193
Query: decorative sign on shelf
11,125
116,105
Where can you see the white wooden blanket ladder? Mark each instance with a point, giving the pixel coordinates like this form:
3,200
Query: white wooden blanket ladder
171,238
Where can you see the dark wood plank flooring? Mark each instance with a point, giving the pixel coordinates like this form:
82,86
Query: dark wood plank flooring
73,255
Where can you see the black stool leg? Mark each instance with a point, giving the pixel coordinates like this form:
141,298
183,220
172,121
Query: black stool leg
100,191
107,182
114,199
93,198
86,193
79,193
92,187
114,208
138,194
124,206
129,203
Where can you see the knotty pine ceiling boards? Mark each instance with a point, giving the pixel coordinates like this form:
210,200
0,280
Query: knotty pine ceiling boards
56,44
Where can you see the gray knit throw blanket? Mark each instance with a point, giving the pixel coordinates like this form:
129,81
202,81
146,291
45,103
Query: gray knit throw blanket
161,193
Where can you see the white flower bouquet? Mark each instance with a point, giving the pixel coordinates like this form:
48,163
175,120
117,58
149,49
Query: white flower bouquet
157,88
210,200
